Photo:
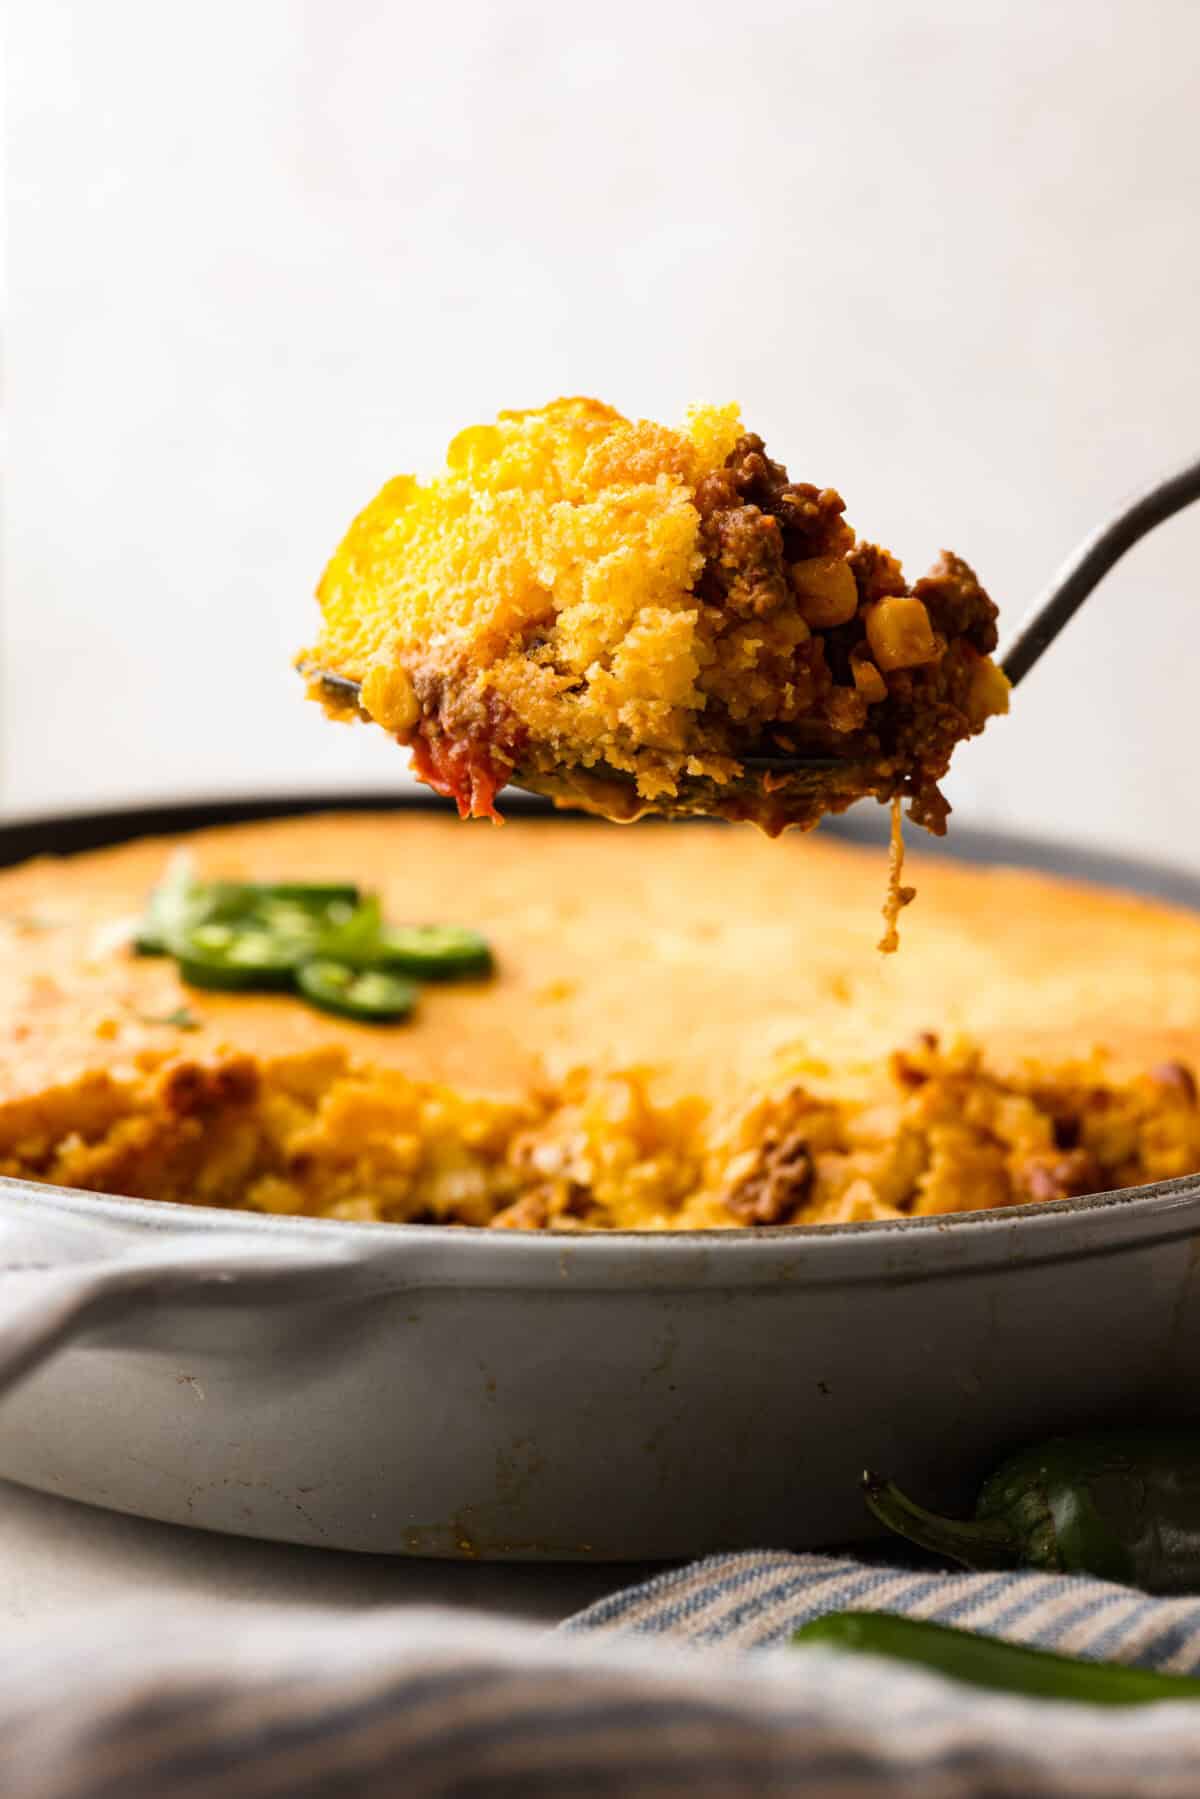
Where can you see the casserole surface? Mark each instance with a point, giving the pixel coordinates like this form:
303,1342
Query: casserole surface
688,1028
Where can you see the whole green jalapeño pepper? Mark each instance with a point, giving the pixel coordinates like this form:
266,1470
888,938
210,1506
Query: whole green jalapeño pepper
988,1662
1124,1506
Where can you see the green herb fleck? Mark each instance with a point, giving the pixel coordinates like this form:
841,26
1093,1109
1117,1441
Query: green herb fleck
182,1018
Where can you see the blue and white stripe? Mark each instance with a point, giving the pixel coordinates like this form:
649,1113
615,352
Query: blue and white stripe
756,1599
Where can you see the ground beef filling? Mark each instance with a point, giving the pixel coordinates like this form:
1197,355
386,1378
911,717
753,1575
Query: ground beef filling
757,525
890,688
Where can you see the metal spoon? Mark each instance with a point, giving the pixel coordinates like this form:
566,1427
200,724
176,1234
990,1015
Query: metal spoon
1083,571
1079,575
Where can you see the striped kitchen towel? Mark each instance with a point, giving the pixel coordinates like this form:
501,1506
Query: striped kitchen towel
679,1686
756,1600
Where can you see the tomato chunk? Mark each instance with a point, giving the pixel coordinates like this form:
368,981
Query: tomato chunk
463,770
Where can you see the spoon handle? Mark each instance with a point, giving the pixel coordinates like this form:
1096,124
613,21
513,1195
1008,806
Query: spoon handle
1086,568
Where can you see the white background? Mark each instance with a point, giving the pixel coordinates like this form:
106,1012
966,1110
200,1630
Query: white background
265,253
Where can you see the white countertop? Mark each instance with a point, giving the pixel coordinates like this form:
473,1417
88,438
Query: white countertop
57,1557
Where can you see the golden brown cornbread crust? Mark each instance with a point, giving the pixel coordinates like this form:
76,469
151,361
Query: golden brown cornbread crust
619,612
684,1032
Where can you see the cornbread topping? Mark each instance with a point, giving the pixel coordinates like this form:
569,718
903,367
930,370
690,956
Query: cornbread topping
681,1032
617,614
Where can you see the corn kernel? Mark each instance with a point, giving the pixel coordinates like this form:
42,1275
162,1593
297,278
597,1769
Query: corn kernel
868,680
987,694
390,698
826,593
899,633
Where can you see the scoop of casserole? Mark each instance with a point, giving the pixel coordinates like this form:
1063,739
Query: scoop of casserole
617,613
